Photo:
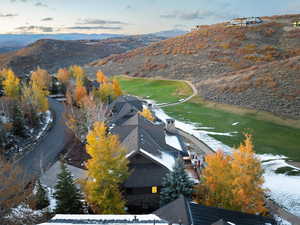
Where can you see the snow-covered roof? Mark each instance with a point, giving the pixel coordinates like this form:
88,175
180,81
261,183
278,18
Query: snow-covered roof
165,159
173,141
105,219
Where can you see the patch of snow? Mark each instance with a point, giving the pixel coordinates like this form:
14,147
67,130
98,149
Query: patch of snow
52,200
147,217
284,189
236,123
193,129
48,120
281,221
173,141
165,159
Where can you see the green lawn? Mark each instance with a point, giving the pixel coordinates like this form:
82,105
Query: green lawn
162,91
268,137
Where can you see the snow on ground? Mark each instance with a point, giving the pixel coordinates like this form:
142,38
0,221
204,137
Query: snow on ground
284,190
48,119
173,141
193,129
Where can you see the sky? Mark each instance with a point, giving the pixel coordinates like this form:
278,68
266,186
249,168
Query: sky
129,16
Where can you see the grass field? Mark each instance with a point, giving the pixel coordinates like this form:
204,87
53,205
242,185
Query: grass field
269,137
162,91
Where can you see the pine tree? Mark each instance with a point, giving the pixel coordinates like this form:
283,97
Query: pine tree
68,197
176,183
18,125
41,196
147,114
107,170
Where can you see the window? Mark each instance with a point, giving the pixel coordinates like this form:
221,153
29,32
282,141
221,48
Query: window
154,189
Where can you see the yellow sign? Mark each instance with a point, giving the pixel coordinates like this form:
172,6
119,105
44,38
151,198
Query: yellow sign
154,189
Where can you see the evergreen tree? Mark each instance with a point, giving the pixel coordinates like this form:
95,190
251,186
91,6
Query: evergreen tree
18,125
68,197
41,196
176,183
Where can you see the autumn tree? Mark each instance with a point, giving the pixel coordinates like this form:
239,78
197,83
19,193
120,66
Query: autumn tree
12,188
81,119
116,88
101,78
233,181
41,78
40,97
248,179
147,114
11,84
63,75
80,92
78,74
107,170
105,93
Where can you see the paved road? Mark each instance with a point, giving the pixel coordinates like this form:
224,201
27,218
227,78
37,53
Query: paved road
49,147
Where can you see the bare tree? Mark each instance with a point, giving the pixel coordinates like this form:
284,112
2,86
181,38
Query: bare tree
80,119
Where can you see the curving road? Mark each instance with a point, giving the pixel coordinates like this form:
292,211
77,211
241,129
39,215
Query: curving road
48,149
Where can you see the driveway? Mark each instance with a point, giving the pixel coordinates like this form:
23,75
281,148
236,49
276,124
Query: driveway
48,149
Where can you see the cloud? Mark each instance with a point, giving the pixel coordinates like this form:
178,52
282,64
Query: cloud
8,15
93,28
99,22
35,29
47,19
40,4
199,14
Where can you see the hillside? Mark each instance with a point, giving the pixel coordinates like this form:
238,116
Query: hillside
53,54
210,52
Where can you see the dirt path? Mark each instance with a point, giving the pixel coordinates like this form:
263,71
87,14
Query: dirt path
195,92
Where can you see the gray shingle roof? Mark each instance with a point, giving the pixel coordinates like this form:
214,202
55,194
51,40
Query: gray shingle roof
196,214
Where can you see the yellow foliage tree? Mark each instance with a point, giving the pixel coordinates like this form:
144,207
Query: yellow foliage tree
107,170
248,179
233,182
101,78
40,97
147,114
106,92
11,84
63,75
41,78
116,88
78,73
80,92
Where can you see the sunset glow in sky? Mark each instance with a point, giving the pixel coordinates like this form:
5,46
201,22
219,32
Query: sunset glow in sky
128,16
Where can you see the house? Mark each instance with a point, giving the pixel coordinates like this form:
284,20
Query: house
296,23
150,159
123,108
245,21
106,219
185,212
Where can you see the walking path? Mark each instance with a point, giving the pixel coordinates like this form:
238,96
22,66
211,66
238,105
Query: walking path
195,92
